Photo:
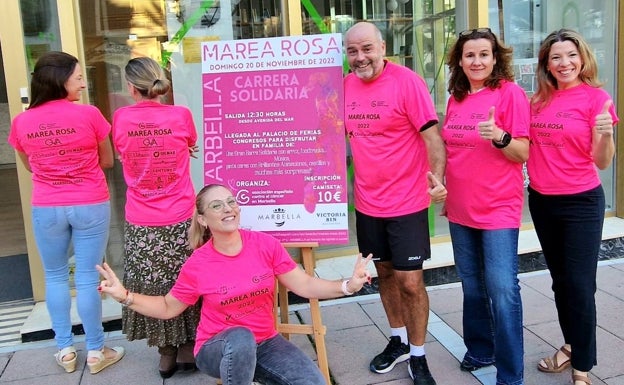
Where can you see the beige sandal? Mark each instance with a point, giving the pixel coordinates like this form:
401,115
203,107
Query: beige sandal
103,362
553,365
580,377
69,366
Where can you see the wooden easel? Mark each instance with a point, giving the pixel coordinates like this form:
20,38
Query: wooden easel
317,329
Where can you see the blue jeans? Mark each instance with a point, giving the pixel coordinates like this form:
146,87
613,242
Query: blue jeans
234,356
55,230
487,264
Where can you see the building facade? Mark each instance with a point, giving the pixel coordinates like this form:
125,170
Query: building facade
105,34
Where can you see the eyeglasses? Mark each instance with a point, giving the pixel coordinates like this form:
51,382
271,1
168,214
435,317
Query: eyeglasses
470,32
218,205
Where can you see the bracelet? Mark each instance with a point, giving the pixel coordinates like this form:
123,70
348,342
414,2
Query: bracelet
345,290
129,300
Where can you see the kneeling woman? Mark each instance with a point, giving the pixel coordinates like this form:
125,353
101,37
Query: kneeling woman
234,272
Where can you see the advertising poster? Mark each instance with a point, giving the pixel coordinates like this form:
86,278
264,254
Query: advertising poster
273,132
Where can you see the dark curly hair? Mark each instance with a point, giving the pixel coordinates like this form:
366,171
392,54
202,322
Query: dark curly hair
459,86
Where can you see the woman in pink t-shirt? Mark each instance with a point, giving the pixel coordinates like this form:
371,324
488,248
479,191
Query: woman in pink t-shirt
154,142
233,272
572,121
486,137
66,145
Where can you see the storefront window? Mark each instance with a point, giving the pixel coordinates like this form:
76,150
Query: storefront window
7,154
418,34
171,32
41,30
256,19
525,24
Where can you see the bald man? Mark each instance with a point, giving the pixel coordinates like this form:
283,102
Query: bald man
399,161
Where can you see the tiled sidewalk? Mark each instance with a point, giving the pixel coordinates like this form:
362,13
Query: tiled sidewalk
356,331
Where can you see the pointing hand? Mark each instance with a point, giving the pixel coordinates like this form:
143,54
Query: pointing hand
361,275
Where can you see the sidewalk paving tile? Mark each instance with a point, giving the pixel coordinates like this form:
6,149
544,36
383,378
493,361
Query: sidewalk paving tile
357,330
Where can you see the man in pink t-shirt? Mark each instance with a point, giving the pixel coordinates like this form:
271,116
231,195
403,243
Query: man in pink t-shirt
399,161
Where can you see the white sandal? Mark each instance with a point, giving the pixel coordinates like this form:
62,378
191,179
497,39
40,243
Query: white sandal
103,362
69,366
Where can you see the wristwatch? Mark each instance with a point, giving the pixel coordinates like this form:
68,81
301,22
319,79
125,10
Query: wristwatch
504,140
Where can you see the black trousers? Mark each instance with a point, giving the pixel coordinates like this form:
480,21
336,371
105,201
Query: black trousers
569,228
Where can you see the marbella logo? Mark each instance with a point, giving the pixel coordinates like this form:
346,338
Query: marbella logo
278,216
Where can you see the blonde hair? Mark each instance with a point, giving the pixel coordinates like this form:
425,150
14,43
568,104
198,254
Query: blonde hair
146,75
546,82
198,234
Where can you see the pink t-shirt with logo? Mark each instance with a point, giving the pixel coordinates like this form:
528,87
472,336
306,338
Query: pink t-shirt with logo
61,139
235,290
153,142
560,157
485,189
382,120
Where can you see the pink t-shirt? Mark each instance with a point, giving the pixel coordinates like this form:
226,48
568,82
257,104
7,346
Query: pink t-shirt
560,157
61,140
153,142
382,120
485,189
235,290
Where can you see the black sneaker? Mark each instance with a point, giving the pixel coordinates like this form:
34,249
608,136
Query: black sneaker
419,371
468,366
395,352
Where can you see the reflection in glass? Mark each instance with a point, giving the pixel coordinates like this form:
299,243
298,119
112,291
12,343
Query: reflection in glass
257,18
40,28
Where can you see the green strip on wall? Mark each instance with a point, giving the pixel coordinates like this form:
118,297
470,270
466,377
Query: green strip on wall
431,217
186,26
318,20
314,15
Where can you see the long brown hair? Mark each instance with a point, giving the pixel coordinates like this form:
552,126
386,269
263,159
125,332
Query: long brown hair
546,82
49,77
459,86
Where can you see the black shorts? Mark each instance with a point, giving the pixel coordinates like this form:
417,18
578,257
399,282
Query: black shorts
402,240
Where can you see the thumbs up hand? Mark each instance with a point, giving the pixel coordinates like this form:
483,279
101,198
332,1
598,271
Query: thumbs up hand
604,121
488,129
436,190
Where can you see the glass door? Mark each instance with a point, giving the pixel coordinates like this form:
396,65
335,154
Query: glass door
28,28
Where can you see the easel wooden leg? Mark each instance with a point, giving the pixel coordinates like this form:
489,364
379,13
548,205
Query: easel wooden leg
283,305
317,329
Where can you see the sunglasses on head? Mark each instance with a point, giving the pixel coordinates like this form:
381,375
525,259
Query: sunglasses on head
470,32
